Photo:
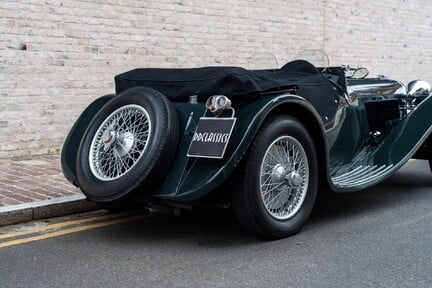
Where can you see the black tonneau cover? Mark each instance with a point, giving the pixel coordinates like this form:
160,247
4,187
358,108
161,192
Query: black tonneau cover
179,84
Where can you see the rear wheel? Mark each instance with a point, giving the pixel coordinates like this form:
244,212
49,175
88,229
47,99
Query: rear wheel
127,147
279,183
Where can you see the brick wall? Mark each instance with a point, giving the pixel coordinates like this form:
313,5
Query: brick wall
57,56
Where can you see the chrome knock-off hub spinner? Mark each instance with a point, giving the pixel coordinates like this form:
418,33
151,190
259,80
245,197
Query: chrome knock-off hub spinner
294,178
125,142
278,174
108,139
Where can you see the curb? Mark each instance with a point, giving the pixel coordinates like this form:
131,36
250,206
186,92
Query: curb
14,214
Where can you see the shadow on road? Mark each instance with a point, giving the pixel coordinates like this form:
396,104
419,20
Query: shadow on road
412,181
219,228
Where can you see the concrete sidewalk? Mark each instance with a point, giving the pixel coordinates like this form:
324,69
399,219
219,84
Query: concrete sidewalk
34,188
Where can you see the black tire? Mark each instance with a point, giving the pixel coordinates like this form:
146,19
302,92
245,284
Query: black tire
430,164
140,163
258,217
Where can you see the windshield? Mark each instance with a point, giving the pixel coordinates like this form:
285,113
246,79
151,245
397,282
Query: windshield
267,61
259,60
316,57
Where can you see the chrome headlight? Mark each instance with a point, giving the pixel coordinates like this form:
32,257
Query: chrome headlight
218,103
418,87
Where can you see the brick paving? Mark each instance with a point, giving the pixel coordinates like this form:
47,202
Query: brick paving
35,178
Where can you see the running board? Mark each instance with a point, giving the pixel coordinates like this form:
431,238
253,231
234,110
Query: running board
374,163
360,176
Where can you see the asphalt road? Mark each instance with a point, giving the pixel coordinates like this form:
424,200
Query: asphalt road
380,237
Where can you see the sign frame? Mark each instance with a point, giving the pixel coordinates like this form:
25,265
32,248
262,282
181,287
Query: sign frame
225,144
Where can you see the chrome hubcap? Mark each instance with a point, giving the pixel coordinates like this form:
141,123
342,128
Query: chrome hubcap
279,173
119,142
108,138
284,177
294,178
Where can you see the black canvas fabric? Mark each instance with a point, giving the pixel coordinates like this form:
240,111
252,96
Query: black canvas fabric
179,84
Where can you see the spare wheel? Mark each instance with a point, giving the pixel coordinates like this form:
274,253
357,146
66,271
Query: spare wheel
128,146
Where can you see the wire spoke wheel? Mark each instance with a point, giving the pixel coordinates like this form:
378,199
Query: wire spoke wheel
279,180
120,142
127,148
284,177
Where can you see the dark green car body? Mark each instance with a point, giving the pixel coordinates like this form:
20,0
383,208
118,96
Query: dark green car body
372,129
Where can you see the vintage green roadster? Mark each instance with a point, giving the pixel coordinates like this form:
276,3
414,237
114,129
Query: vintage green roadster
277,136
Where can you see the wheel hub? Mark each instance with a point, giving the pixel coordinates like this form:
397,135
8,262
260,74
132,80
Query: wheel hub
125,143
278,174
294,178
108,138
281,174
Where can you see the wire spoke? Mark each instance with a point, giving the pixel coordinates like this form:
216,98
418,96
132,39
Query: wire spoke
284,177
131,128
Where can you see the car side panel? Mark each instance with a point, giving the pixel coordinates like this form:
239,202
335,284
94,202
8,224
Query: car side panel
192,178
375,162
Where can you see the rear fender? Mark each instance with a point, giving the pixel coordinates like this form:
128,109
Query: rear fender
197,177
73,139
